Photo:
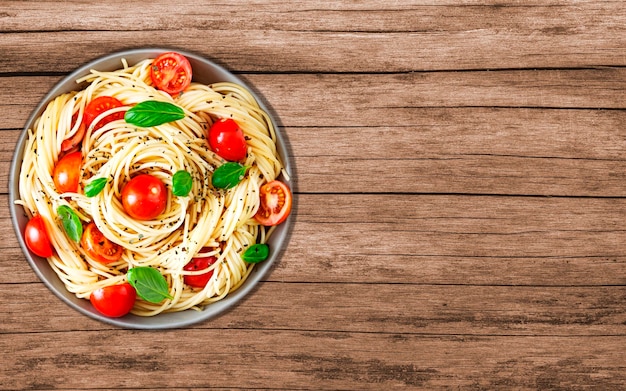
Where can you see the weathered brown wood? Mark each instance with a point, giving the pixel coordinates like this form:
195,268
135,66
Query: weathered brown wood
391,99
424,138
332,360
475,240
438,144
325,15
408,308
365,36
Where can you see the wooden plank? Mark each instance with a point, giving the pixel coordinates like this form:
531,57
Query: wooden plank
292,359
436,239
331,170
384,100
408,308
510,151
437,143
368,36
324,15
391,99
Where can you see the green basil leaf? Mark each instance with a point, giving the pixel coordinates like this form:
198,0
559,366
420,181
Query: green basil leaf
181,183
149,283
94,187
228,175
256,253
153,113
71,222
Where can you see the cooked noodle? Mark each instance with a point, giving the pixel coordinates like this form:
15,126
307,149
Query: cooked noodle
209,222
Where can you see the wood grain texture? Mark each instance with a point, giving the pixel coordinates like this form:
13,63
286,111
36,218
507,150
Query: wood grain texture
437,240
333,360
401,308
422,139
326,36
459,209
393,99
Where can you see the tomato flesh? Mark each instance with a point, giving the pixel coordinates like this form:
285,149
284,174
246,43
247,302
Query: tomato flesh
144,197
99,106
98,246
114,301
275,203
199,280
66,173
71,143
36,237
227,140
171,72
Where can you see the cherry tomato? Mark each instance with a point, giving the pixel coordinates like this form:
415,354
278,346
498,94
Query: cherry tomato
99,106
66,173
36,237
98,246
227,140
199,280
114,300
275,203
71,143
171,72
144,197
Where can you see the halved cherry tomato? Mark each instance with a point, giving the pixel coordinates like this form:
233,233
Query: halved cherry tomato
275,203
36,237
114,300
171,72
227,140
99,106
66,173
199,280
144,197
99,247
71,143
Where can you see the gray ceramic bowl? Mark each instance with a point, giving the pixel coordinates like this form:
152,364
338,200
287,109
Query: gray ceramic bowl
204,71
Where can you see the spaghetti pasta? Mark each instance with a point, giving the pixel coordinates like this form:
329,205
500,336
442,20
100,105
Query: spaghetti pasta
207,222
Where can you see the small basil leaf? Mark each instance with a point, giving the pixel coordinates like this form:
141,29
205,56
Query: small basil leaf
181,183
149,283
71,222
256,253
94,187
228,175
153,113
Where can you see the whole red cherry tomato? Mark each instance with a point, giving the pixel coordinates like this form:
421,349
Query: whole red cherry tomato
144,197
36,237
114,300
227,140
66,173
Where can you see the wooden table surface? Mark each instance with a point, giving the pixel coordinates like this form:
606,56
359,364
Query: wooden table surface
460,217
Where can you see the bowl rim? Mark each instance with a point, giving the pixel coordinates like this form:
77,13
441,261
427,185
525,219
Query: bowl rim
41,267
